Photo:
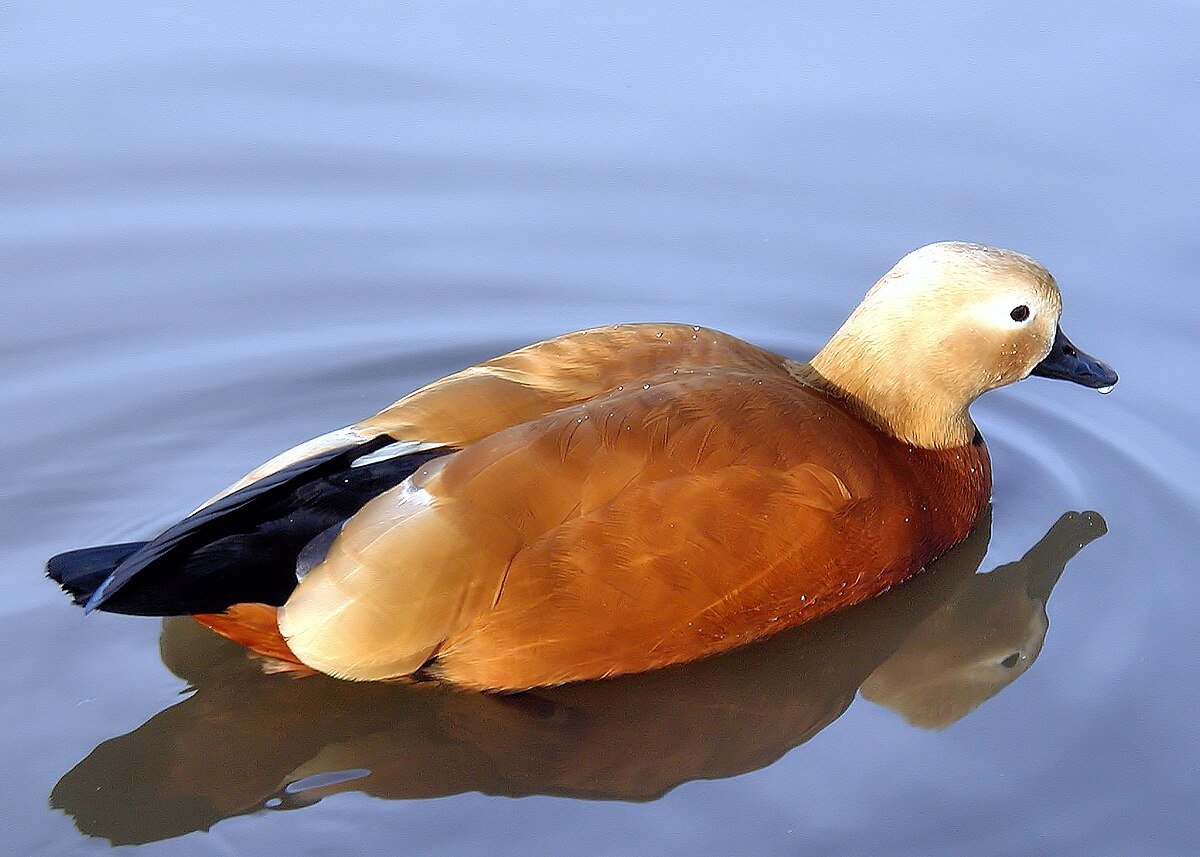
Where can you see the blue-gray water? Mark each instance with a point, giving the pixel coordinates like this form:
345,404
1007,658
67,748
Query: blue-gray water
227,227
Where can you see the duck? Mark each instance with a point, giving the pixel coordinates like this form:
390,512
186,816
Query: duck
614,500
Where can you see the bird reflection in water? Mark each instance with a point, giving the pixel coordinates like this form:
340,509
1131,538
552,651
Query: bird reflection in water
932,650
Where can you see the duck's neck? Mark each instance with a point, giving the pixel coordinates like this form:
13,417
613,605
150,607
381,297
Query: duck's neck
892,386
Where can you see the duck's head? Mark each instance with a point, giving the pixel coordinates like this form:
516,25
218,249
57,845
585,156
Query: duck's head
948,323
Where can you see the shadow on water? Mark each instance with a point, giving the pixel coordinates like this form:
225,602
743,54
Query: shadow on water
931,650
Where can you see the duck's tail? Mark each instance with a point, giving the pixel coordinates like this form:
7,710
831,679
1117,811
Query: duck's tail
232,562
256,626
80,572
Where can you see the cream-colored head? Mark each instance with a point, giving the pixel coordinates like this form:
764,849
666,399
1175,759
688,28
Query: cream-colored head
948,323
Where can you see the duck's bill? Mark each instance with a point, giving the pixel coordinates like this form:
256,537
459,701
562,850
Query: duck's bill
1068,363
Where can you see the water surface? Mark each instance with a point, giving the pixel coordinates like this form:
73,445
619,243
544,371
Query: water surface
227,228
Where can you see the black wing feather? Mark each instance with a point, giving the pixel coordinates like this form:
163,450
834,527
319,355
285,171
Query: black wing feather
243,547
80,572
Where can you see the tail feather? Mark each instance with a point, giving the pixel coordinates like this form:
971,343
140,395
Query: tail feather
242,548
80,572
256,626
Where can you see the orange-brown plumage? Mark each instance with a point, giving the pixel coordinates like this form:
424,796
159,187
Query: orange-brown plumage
682,512
255,626
625,498
714,493
699,514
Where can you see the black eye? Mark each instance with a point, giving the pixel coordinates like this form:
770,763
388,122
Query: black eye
1020,313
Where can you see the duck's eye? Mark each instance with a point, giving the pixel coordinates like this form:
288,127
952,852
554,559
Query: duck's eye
1020,313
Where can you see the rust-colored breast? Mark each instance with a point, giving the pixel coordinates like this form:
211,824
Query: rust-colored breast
719,508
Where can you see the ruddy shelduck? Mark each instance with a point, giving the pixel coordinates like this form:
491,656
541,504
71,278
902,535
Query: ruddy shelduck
614,500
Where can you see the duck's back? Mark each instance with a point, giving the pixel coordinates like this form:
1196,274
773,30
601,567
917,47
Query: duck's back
692,512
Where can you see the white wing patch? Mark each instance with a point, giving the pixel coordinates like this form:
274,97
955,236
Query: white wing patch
394,450
333,440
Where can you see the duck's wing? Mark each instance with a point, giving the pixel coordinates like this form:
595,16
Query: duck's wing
634,530
519,386
513,388
243,545
247,546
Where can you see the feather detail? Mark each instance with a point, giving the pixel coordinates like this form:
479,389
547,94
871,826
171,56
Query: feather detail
255,626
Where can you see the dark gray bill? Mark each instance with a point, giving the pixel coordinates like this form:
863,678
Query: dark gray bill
1068,363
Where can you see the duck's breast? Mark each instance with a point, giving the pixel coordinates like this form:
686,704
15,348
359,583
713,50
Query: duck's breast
675,524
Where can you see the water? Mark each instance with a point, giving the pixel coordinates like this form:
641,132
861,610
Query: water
227,228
